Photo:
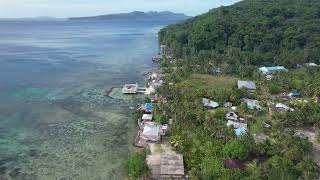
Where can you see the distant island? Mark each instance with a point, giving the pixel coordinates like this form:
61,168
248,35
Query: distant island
137,15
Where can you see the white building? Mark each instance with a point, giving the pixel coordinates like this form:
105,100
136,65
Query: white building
151,132
130,88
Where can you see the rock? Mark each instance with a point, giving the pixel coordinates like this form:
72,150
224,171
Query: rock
32,153
3,169
15,172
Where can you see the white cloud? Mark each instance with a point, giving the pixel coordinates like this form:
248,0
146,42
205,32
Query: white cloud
68,8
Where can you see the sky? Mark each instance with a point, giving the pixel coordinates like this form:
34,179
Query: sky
75,8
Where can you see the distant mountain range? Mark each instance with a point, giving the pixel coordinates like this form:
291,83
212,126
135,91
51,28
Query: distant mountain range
137,15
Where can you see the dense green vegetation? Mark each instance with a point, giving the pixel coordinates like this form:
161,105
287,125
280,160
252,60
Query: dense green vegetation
202,136
238,39
136,166
251,32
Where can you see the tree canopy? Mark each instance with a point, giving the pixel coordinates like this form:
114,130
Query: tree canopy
251,32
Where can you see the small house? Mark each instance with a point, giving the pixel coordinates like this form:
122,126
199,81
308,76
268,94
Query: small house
150,132
157,58
240,131
130,88
252,104
237,125
232,116
227,104
147,117
216,71
283,108
312,65
249,85
163,49
273,69
295,94
209,104
171,166
148,107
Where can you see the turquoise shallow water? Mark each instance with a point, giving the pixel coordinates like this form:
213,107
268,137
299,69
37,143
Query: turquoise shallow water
55,122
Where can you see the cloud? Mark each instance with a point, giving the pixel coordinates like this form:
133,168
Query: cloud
71,8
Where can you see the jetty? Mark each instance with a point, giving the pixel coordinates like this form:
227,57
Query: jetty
135,89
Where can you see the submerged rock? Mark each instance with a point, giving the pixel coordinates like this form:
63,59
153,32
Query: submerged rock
3,170
15,172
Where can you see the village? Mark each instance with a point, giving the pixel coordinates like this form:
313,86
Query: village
165,163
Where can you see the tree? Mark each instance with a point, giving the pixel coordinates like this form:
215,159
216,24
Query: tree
136,166
236,149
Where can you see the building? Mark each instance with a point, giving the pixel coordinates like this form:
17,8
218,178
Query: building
130,88
209,104
249,85
148,107
295,94
240,131
150,132
163,49
312,65
157,58
237,125
227,104
232,116
216,71
171,166
283,108
147,117
252,104
273,69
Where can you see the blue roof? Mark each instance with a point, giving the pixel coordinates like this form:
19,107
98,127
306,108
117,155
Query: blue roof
296,94
149,106
276,68
240,131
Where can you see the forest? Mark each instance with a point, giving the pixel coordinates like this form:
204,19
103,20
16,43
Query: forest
249,33
238,39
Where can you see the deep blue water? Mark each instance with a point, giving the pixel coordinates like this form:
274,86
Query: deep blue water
55,122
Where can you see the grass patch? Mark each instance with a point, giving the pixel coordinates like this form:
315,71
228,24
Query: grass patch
213,81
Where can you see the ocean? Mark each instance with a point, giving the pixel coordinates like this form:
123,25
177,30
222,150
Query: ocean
55,121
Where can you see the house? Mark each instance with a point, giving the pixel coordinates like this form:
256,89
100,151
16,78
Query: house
149,90
234,164
148,107
295,94
237,125
216,71
232,116
163,49
273,69
283,108
147,117
150,132
157,58
130,88
249,85
227,104
252,104
240,131
312,65
209,104
171,166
